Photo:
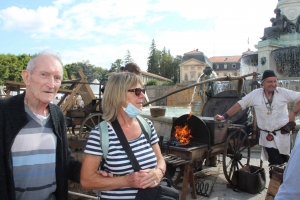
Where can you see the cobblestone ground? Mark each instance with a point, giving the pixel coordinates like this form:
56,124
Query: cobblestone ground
220,191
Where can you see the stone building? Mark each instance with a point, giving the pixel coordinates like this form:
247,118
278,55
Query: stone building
194,62
192,66
226,65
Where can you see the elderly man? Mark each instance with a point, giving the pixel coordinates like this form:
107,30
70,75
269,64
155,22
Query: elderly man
270,103
35,161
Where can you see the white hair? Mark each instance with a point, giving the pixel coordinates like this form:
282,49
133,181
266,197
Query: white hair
32,62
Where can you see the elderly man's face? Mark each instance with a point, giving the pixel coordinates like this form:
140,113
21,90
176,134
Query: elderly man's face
45,79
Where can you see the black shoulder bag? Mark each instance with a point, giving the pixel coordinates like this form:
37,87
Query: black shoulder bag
164,190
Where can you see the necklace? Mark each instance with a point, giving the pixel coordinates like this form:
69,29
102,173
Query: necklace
269,104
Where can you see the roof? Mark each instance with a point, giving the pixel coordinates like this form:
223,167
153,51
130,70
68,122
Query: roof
198,55
194,52
147,74
225,59
155,76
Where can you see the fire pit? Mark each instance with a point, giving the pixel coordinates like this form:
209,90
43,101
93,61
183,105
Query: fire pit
191,141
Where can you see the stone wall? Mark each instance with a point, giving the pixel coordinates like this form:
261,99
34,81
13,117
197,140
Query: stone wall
154,92
183,98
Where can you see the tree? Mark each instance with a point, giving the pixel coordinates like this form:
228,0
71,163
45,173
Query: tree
153,59
115,67
11,67
176,68
128,58
91,71
165,63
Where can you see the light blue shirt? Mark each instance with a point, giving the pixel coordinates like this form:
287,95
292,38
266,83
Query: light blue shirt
289,189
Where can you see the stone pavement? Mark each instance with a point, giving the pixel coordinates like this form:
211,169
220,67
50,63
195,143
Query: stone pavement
220,190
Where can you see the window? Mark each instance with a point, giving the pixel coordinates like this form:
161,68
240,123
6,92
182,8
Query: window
225,66
233,66
217,66
193,77
186,77
192,68
235,73
225,74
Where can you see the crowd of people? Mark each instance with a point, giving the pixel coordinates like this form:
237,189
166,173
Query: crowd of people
36,162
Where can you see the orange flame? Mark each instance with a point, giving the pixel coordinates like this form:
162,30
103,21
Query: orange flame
182,134
189,116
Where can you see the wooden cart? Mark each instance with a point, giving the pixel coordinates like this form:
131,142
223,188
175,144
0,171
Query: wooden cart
81,120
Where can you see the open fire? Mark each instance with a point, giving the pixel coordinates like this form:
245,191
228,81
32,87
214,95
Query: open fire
183,134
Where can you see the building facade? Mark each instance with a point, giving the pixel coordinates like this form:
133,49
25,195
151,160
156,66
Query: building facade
192,66
194,62
226,65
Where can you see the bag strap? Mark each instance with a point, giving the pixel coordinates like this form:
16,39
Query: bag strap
104,138
125,145
145,128
104,133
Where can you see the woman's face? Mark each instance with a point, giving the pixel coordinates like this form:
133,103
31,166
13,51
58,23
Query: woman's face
135,96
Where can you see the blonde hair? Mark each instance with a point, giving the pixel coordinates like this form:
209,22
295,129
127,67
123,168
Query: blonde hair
114,96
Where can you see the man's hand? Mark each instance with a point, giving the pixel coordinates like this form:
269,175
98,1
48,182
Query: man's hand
218,117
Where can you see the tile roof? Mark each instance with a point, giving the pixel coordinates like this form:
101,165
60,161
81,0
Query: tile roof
155,75
216,59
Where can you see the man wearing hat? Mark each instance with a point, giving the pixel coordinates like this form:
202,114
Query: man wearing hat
270,104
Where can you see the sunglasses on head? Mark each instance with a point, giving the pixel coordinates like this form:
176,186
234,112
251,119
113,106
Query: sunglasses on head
137,91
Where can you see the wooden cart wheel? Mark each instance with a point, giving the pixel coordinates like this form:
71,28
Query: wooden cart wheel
236,153
89,123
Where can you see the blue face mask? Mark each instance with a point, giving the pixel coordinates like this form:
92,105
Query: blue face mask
132,111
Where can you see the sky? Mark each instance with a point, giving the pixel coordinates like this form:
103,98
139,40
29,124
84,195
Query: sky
101,31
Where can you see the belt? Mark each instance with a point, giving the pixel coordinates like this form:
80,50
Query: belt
274,132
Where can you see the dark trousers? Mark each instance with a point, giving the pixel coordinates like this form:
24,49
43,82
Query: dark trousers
275,158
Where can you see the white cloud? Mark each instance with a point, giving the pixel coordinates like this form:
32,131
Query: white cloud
61,3
28,20
104,55
115,26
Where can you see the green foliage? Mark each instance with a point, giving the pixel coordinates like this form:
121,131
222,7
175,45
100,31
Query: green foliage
167,83
128,58
166,68
151,82
163,63
91,71
11,67
115,67
153,59
157,83
176,69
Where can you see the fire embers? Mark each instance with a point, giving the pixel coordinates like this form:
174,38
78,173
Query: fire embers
183,134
